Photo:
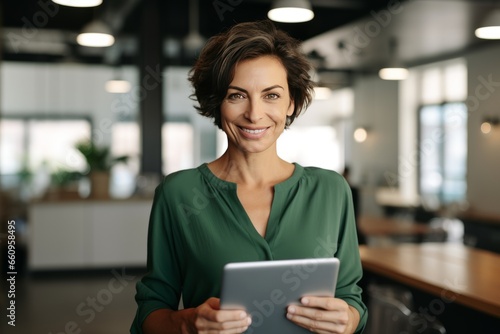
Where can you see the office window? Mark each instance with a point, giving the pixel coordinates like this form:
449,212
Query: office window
443,152
125,140
39,146
317,146
444,83
12,135
432,86
177,145
52,142
455,82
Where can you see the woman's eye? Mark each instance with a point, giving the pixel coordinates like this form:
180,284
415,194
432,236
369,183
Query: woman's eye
272,96
235,96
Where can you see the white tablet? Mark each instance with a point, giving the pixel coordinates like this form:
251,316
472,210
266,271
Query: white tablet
264,289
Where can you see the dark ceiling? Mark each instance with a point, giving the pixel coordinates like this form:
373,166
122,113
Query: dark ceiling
33,22
426,30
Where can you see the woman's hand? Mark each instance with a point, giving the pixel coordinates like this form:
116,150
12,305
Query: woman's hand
324,315
209,318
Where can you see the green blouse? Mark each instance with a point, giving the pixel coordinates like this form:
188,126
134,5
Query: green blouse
197,225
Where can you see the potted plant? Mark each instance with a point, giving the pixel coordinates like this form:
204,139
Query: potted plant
64,184
99,161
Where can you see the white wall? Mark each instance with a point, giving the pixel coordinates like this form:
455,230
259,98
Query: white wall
375,107
483,175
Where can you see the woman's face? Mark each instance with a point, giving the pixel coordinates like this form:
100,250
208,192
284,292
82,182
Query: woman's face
254,110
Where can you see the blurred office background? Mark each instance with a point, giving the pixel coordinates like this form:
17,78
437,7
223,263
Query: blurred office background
421,149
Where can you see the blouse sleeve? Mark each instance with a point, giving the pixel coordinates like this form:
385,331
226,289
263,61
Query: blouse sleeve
350,263
161,286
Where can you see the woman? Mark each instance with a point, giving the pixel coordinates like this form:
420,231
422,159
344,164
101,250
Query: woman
249,204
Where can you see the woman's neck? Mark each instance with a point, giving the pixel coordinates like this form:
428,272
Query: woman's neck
251,169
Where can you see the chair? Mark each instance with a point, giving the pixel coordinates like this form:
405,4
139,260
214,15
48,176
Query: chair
389,310
426,326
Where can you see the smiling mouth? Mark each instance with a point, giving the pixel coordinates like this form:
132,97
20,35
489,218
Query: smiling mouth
256,131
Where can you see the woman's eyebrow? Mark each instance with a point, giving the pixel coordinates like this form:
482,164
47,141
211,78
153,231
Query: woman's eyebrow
246,92
272,87
238,88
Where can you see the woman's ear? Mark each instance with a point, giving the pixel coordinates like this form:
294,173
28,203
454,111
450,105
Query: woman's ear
291,108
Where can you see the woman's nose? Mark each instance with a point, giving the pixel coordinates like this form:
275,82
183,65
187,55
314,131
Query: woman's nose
254,111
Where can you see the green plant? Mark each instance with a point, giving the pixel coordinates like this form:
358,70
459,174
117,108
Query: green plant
62,177
25,174
98,158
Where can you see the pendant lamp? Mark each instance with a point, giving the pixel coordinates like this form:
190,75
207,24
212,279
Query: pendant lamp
394,71
291,11
96,34
78,3
490,28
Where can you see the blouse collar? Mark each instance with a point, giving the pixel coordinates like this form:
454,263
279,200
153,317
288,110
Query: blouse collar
222,184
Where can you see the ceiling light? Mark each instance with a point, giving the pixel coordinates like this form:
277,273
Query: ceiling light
78,3
490,29
393,73
117,86
95,34
193,41
291,11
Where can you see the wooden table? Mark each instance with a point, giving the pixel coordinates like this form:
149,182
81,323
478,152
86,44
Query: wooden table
467,276
384,226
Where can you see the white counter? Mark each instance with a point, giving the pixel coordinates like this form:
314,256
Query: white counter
87,234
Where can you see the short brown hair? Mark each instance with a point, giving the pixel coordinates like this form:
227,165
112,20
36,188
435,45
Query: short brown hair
214,69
